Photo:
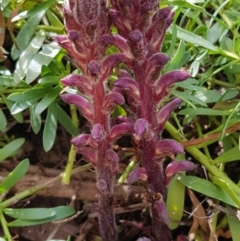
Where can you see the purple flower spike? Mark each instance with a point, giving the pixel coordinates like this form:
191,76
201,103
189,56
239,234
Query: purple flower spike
89,154
130,86
97,132
169,145
81,140
160,206
121,129
165,111
179,166
166,80
137,174
111,100
82,104
78,81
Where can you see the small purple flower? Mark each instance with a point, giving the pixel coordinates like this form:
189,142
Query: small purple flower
179,166
160,206
164,113
137,174
121,129
89,153
168,145
81,103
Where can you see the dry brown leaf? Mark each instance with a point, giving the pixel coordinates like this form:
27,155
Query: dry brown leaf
193,229
199,212
226,234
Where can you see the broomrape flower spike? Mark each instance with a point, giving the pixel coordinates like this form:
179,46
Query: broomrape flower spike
87,24
141,28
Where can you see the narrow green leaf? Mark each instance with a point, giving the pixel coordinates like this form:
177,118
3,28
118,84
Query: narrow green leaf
66,121
175,205
3,121
30,213
10,148
62,212
193,38
234,223
20,106
54,20
31,94
34,11
186,95
49,79
24,60
203,111
47,100
35,119
50,129
175,63
44,57
212,96
207,188
187,85
14,176
10,104
25,34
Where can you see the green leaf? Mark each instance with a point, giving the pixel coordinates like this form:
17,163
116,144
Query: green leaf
54,20
14,176
34,11
207,188
35,119
9,104
187,85
20,106
66,121
30,213
10,148
203,111
50,129
179,58
212,96
175,205
193,38
62,212
186,95
25,58
49,79
234,223
44,57
47,100
3,121
31,94
25,34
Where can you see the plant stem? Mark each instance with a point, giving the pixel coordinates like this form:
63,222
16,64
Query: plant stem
204,160
5,227
72,152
